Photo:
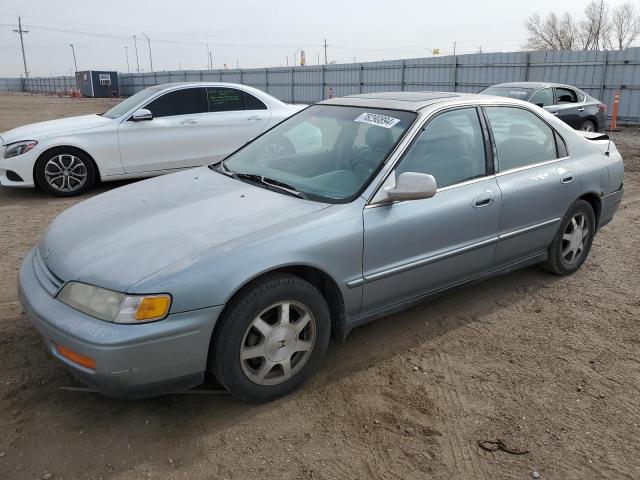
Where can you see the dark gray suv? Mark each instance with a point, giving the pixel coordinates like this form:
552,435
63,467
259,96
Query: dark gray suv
568,103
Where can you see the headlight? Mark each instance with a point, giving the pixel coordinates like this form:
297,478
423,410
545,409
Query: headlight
18,148
114,306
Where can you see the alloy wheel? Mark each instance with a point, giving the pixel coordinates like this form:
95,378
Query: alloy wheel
588,127
575,238
65,173
278,343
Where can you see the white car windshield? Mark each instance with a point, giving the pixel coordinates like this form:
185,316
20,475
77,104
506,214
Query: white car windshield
129,103
326,152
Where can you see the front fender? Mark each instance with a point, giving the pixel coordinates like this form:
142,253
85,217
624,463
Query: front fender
330,240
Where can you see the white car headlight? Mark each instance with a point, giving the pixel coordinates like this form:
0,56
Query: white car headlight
18,148
114,306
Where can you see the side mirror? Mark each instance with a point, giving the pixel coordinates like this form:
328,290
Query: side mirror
142,114
407,186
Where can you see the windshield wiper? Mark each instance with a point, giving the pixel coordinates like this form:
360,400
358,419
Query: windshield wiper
254,177
271,182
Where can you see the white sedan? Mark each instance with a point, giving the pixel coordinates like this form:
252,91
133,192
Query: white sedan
158,130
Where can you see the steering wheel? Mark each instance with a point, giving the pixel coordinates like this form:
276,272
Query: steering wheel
364,161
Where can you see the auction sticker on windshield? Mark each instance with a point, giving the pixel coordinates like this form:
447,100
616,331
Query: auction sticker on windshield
377,119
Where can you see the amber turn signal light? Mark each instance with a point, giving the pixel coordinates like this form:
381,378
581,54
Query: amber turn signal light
153,307
76,357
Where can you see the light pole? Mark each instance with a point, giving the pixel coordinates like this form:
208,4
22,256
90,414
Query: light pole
73,50
126,52
149,44
135,44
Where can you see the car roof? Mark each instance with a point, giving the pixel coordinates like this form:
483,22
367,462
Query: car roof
162,86
533,85
411,101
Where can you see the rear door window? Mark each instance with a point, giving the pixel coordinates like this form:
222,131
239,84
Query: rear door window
222,99
521,137
566,95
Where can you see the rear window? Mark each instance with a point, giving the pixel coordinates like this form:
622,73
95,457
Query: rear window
510,92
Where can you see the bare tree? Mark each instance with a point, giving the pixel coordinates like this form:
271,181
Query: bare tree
552,33
625,25
594,29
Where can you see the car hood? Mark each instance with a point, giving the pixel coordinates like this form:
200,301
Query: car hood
117,239
36,131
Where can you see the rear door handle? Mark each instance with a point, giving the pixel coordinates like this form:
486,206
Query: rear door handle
254,118
483,200
555,113
188,121
581,109
567,178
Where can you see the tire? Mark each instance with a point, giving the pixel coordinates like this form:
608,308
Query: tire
567,251
588,126
76,169
249,357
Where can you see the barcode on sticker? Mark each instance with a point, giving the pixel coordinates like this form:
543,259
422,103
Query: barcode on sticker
377,119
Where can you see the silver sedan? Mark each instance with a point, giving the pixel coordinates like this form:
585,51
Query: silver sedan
246,268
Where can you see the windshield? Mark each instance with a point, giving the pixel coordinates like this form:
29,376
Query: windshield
327,153
127,104
511,92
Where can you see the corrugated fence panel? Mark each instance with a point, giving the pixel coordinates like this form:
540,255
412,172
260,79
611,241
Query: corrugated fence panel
598,73
429,74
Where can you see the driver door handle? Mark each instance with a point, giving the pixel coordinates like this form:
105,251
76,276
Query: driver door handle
567,178
581,109
254,118
483,200
188,121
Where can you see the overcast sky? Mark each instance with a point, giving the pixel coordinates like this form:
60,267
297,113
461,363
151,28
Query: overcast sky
254,33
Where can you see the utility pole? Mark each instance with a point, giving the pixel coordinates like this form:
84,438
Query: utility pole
126,52
21,32
325,51
208,58
210,61
454,48
135,44
73,50
149,45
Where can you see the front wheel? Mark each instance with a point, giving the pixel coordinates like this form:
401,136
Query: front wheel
272,338
572,243
65,172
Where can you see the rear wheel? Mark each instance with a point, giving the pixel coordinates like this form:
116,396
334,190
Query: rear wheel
65,172
272,338
572,243
588,126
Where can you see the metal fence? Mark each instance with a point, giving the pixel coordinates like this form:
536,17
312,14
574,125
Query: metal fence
598,73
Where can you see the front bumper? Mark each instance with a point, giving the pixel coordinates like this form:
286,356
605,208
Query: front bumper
22,165
131,360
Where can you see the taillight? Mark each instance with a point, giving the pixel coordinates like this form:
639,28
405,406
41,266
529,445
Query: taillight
602,107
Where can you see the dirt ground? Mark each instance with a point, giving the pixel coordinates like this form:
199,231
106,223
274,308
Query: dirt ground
547,364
